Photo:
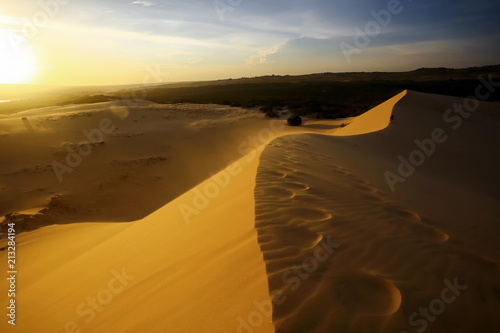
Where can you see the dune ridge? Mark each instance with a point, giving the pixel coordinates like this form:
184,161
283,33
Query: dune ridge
309,225
157,151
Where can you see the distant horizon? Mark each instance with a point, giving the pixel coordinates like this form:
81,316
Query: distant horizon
237,78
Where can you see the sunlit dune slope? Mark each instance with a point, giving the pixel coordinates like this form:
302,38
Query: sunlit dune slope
373,120
315,223
141,156
165,273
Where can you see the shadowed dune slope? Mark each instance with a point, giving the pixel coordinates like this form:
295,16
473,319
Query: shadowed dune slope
344,253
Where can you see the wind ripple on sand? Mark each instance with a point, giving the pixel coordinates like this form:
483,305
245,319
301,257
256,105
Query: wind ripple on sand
387,261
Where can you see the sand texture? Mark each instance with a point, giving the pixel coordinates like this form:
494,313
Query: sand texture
205,218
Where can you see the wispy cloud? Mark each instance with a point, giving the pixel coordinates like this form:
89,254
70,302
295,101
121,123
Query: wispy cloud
144,3
262,54
256,38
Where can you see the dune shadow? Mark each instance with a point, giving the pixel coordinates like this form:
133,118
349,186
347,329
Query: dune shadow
295,240
320,126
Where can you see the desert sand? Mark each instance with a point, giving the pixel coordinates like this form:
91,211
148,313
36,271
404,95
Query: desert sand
201,218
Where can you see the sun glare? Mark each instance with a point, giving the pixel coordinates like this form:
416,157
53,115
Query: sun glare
17,62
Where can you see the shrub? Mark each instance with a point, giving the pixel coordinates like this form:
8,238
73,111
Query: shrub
294,120
271,114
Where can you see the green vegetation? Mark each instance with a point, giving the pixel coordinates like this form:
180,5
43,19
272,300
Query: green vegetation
327,95
316,99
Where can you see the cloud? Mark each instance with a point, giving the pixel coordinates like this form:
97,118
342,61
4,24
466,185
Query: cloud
261,37
262,54
144,3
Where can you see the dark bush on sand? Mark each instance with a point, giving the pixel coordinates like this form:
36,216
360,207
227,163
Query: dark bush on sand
294,120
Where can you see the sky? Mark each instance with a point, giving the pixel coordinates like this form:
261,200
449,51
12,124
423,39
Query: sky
90,42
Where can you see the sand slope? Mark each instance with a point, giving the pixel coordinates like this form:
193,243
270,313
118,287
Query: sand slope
389,253
311,223
153,154
177,276
374,120
193,265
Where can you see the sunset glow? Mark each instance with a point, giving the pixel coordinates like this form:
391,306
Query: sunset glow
60,42
17,61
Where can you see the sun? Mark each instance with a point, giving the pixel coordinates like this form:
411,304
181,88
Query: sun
17,61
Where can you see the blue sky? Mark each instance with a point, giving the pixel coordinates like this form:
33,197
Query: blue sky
120,41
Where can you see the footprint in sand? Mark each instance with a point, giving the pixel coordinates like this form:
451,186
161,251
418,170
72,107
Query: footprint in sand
309,214
277,192
360,293
417,226
407,214
295,186
274,173
294,236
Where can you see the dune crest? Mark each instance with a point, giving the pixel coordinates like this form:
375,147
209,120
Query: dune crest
299,218
373,120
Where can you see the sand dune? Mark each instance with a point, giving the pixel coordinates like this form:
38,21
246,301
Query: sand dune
302,218
345,254
374,120
150,155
